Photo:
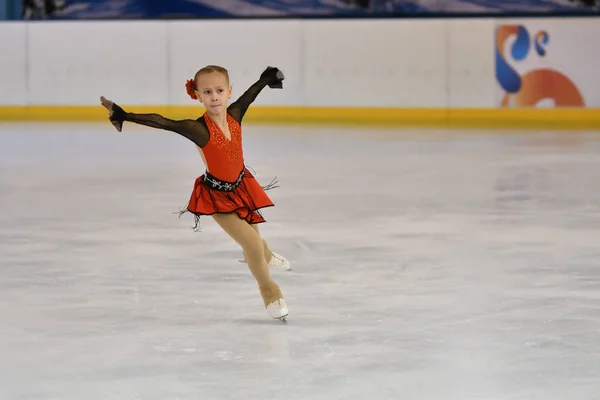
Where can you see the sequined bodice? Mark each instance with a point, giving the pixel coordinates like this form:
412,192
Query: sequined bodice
224,158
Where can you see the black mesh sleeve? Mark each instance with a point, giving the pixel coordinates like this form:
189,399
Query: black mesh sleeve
271,76
194,130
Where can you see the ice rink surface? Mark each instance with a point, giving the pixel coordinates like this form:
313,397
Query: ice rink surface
426,265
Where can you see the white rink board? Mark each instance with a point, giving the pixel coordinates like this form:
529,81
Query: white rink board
245,48
74,63
470,66
388,63
339,63
13,64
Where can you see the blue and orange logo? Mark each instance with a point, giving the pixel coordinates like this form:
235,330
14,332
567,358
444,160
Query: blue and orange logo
535,85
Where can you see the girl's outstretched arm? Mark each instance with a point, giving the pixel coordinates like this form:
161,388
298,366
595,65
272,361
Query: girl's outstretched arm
273,77
192,129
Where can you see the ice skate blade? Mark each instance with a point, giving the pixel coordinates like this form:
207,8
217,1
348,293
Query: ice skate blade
282,315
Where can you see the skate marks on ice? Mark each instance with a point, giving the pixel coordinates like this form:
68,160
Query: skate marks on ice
466,261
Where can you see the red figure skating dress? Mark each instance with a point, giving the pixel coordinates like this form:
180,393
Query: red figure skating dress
227,185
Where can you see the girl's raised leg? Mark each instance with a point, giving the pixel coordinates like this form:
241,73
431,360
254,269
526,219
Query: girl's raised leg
274,260
254,250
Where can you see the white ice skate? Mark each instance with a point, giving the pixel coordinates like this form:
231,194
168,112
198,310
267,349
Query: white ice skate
278,310
277,262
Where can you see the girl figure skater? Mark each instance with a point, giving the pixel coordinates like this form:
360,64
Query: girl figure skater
227,190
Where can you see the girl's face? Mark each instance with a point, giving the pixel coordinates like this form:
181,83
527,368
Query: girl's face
213,91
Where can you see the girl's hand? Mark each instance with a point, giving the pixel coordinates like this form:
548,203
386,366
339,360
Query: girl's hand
275,77
116,114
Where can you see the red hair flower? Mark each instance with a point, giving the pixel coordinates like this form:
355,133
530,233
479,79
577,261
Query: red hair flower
190,86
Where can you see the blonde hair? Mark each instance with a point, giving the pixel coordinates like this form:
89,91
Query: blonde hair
191,84
211,68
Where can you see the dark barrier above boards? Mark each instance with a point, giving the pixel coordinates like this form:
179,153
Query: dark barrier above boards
180,9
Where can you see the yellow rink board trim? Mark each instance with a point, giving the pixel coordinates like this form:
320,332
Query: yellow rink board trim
557,118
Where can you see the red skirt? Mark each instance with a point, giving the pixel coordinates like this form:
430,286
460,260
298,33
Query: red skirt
244,197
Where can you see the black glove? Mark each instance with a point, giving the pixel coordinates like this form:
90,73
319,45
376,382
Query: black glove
117,114
274,76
